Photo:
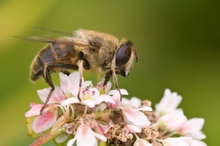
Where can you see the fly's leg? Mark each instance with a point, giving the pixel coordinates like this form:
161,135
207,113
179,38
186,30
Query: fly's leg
80,69
47,78
107,78
115,80
48,67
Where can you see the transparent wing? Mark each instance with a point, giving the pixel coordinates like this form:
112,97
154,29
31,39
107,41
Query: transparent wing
53,31
61,40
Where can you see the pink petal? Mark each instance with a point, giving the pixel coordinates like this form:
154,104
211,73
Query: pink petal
108,87
46,120
43,93
69,101
94,93
86,136
136,102
74,79
34,111
116,98
135,117
124,92
168,103
173,121
141,142
192,128
146,108
193,125
104,98
64,82
197,143
174,142
90,103
56,97
133,128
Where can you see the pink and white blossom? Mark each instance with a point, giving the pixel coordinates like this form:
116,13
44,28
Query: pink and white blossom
172,121
193,128
70,84
85,137
168,103
92,114
44,121
116,97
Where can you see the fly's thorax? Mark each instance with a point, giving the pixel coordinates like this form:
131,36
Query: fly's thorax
104,47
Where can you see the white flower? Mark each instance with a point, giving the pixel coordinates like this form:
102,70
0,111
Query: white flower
105,89
89,97
92,97
193,128
168,103
70,84
85,137
172,121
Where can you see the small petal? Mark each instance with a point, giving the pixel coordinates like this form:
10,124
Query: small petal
56,97
174,142
146,108
192,128
64,82
124,92
116,98
133,102
141,142
34,111
69,101
135,117
104,98
133,128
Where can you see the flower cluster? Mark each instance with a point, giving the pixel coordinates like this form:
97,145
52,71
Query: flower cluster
95,115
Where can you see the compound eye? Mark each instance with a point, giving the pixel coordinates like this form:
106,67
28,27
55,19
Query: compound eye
123,55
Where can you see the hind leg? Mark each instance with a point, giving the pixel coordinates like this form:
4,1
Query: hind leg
48,67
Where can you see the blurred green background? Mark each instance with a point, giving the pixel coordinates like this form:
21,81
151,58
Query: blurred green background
177,41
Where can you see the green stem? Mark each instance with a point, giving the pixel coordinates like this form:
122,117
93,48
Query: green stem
46,138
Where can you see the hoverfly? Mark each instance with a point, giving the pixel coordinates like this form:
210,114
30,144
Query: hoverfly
86,49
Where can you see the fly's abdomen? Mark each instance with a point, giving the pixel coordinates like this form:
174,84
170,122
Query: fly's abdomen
46,55
52,53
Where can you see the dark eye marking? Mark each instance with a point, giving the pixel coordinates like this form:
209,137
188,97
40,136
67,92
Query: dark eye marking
123,54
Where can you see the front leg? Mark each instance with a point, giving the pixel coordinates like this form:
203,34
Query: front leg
115,80
107,78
